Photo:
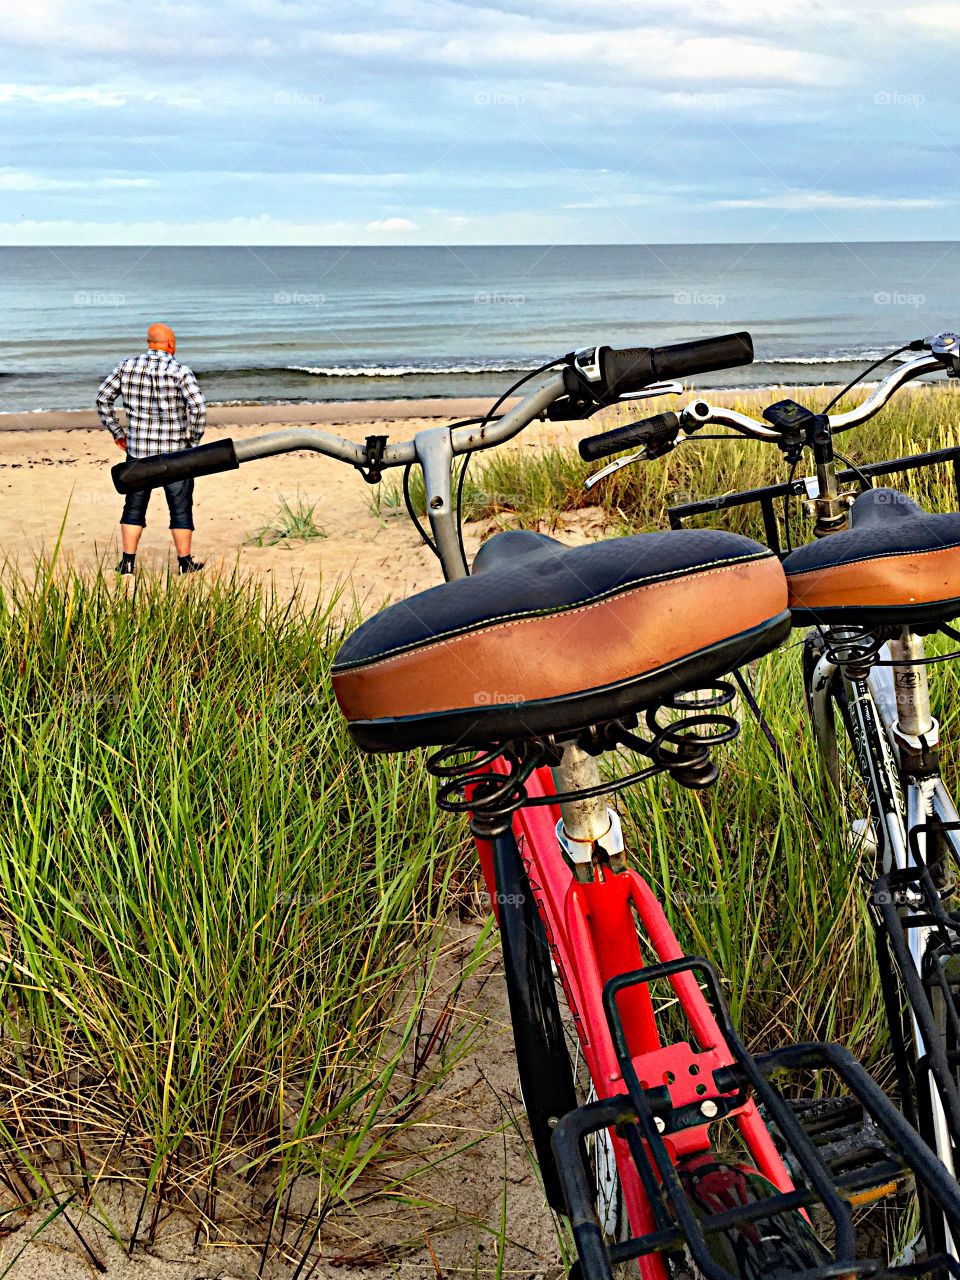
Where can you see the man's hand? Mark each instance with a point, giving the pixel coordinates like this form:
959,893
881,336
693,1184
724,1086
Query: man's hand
121,443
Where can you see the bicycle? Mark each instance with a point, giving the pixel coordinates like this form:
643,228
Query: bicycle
878,577
522,674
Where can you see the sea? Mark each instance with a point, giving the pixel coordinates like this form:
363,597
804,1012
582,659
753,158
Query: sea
260,325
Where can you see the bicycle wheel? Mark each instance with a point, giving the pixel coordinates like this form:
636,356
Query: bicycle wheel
777,1248
553,1074
842,764
853,749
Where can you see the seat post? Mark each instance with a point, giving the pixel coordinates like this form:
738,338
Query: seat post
916,731
914,718
588,829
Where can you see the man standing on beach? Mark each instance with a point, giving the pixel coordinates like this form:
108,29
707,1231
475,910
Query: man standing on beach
166,411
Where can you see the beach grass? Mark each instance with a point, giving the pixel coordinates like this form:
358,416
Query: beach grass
519,487
221,924
293,522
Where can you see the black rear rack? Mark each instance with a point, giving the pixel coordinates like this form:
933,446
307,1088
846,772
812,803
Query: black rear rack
766,496
643,1115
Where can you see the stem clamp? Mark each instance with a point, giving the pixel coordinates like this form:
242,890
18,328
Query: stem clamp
372,467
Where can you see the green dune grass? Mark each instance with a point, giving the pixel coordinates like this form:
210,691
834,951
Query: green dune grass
220,922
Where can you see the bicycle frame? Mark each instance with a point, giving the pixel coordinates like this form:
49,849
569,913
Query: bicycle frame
894,739
591,929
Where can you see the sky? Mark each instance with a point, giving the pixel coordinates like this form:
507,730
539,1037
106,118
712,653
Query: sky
438,122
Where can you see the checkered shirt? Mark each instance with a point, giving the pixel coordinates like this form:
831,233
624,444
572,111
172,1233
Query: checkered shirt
165,406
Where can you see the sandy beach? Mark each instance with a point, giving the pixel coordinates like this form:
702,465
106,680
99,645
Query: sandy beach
55,472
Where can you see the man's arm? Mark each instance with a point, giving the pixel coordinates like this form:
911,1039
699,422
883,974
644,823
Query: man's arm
195,404
106,398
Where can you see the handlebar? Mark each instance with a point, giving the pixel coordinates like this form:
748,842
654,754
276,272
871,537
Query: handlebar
650,433
618,372
662,431
635,368
165,468
699,413
225,455
591,378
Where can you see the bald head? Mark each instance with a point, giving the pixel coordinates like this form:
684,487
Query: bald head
160,337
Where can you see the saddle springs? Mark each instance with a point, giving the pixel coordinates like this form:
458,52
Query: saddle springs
680,746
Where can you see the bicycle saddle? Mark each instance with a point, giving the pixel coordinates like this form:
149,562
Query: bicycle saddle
896,564
548,639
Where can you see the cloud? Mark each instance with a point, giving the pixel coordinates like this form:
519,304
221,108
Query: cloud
613,201
644,54
262,229
90,96
381,119
798,201
20,180
391,224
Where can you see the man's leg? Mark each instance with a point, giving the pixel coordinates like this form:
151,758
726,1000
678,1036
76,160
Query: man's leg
133,521
182,540
130,537
180,501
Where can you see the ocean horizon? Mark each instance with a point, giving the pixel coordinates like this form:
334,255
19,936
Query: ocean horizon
293,324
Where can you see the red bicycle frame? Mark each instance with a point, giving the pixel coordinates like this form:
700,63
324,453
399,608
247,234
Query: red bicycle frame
592,931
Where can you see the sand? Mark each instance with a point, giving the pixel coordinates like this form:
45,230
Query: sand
55,471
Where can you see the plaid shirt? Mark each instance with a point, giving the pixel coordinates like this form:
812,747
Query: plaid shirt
165,407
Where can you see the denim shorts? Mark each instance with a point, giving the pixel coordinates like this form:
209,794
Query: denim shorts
179,499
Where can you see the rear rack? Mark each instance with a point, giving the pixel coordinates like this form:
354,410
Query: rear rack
766,496
644,1116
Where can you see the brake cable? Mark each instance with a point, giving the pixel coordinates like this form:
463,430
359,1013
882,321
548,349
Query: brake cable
408,503
778,752
490,416
915,345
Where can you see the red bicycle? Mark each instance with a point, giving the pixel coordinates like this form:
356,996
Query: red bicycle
658,1135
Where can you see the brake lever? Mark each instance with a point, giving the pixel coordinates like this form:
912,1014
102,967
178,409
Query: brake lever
611,467
656,389
642,455
571,409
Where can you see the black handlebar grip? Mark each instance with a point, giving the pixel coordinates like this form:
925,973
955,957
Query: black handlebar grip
634,368
165,468
661,426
